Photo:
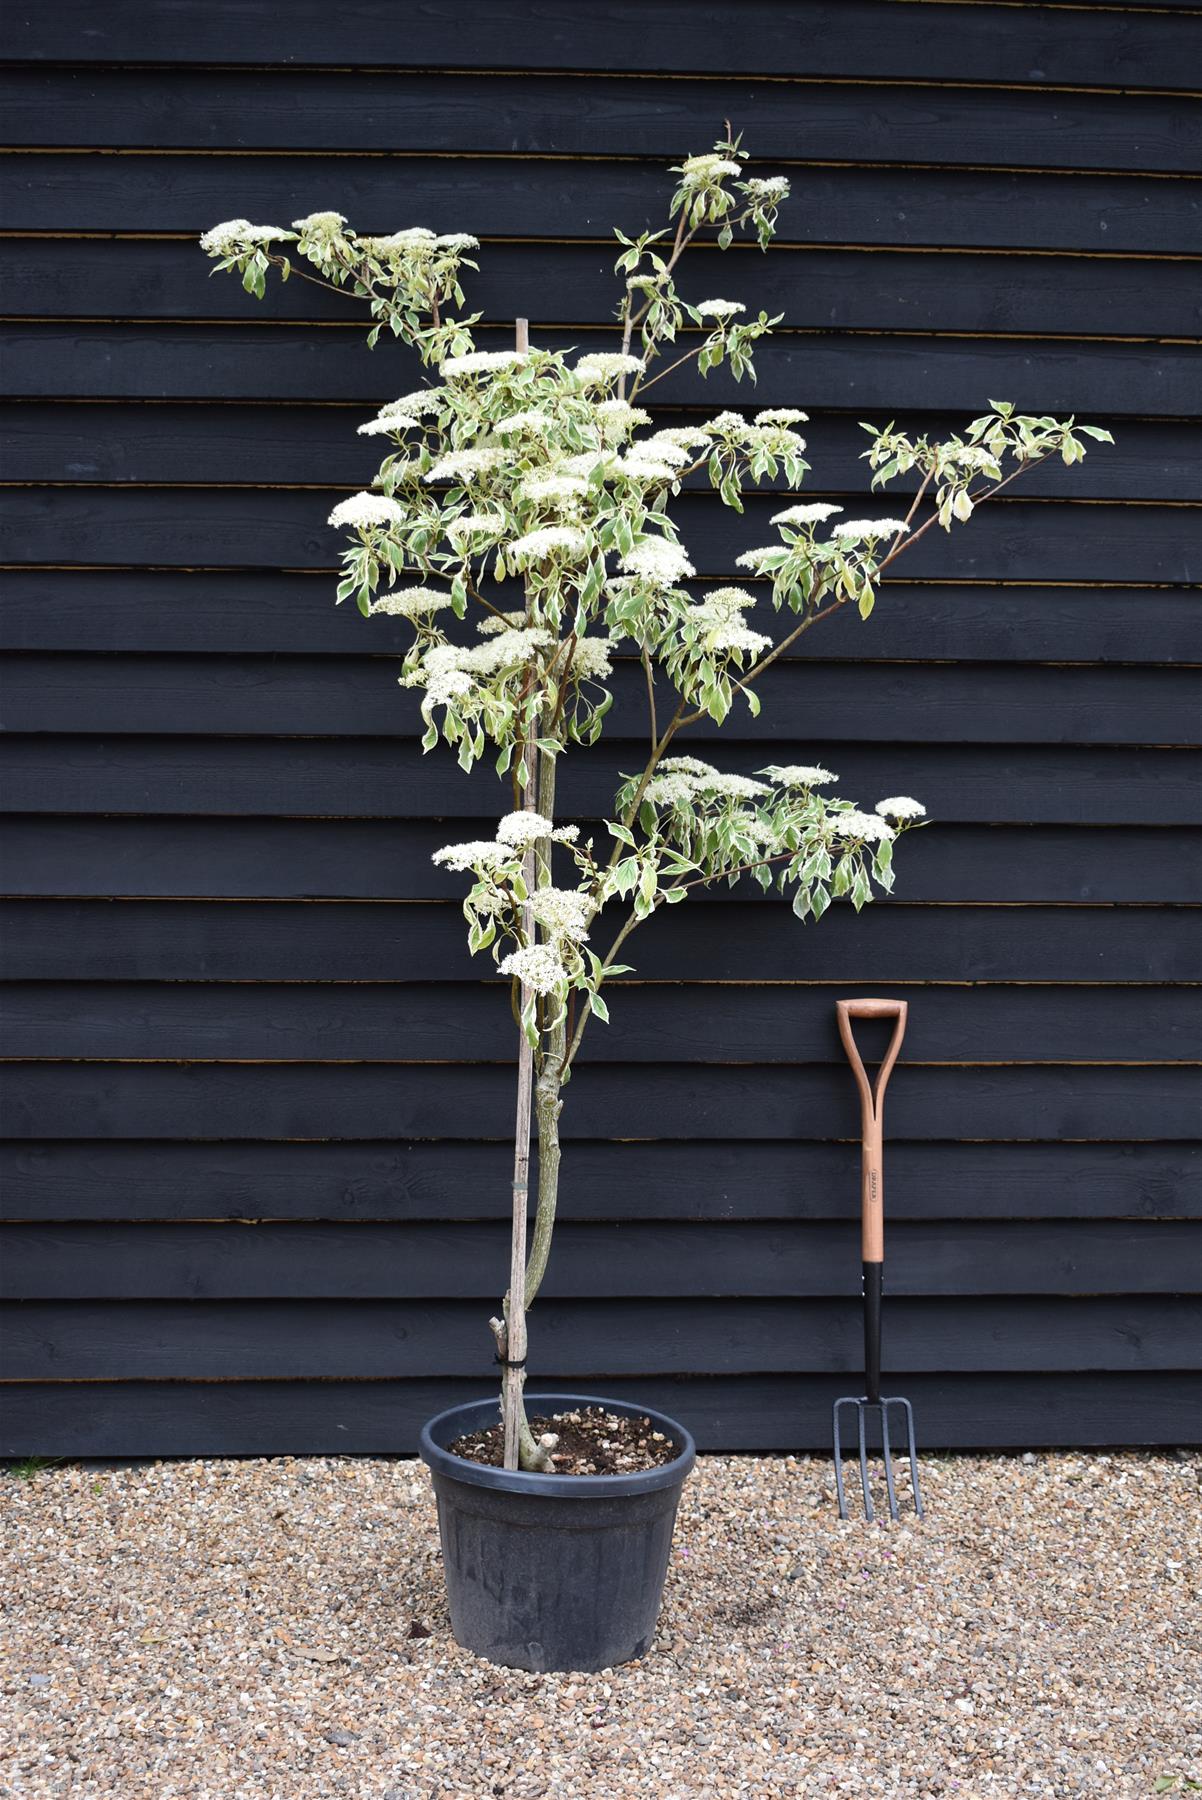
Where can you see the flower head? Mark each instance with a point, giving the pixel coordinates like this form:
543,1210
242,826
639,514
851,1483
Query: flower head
782,415
473,525
868,529
606,365
813,514
320,224
697,171
719,309
364,510
658,561
867,827
411,603
480,362
522,828
478,854
537,966
385,423
233,235
465,465
798,775
550,541
900,806
554,488
767,188
562,912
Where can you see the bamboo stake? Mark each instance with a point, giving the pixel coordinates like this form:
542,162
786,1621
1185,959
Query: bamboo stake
513,1348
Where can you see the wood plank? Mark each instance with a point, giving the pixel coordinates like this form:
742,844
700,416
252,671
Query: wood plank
373,859
536,198
814,286
634,1260
891,375
590,1342
146,610
318,1101
317,446
365,778
93,1179
135,940
386,1022
1010,540
855,39
750,1413
286,108
299,696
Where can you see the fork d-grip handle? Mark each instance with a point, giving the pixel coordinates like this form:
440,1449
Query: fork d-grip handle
872,1185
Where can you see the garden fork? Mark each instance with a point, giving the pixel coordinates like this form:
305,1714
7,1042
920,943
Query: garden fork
872,1233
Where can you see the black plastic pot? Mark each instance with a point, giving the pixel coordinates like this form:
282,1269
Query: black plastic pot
553,1571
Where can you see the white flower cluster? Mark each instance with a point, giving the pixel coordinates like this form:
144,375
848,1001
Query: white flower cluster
479,853
550,541
562,912
422,401
700,171
813,514
531,422
476,525
798,775
465,465
900,806
684,778
233,235
772,188
537,966
522,828
480,362
384,423
591,659
606,365
551,487
411,603
320,225
642,464
658,562
719,309
866,827
868,529
782,415
681,437
364,510
617,418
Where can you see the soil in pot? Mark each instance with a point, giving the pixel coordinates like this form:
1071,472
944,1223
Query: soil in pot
591,1441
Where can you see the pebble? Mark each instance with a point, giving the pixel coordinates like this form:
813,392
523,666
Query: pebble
244,1630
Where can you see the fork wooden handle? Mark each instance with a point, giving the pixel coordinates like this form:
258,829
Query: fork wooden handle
872,1098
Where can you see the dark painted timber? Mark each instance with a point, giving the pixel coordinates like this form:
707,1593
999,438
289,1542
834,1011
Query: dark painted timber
257,1096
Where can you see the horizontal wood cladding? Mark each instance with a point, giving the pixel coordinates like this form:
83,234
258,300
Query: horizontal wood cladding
875,373
1020,784
459,1260
1010,540
674,1100
741,940
223,612
854,39
301,1022
103,1179
531,197
318,447
309,111
731,1413
379,859
590,1341
295,696
817,288
257,1096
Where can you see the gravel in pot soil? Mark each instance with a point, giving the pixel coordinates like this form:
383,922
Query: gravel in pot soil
590,1441
276,1629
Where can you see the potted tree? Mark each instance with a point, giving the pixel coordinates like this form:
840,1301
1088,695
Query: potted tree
520,526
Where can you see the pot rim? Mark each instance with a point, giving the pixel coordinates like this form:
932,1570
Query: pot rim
452,1423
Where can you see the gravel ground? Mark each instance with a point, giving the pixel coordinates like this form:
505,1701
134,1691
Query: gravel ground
275,1630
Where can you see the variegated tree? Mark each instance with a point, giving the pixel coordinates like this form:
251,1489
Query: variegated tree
526,494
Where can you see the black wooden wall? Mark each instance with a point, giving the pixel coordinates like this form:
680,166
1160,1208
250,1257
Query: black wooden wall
254,1159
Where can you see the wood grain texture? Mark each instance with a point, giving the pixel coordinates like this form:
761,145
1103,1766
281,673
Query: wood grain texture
312,110
816,288
856,39
125,1179
731,1413
379,859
